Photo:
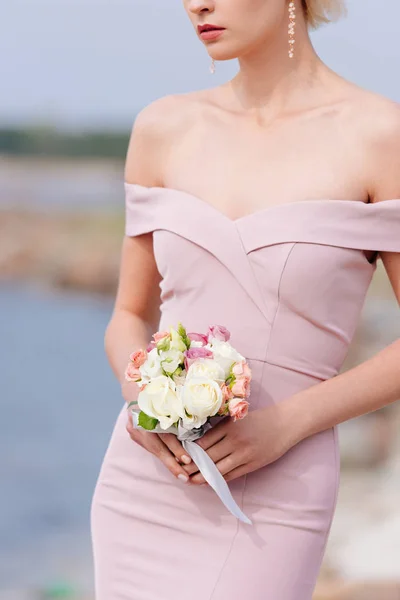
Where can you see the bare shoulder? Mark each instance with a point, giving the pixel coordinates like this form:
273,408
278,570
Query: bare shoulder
162,114
381,118
155,127
384,127
376,122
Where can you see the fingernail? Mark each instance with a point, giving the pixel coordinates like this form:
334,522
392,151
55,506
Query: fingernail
183,477
186,459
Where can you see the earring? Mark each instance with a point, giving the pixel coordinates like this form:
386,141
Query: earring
212,66
292,25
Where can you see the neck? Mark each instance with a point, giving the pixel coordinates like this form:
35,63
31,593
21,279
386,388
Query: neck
269,82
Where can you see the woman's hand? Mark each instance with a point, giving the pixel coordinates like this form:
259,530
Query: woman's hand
165,446
239,447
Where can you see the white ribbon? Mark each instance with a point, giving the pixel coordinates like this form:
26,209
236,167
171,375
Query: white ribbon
205,464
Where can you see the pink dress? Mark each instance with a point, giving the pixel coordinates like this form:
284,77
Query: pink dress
289,282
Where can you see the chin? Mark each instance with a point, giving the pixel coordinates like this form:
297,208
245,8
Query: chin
224,53
229,49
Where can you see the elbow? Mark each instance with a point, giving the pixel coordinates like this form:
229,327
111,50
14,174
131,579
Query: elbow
107,336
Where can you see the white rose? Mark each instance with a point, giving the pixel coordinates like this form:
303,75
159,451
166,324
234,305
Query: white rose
179,379
196,344
160,401
193,422
171,360
207,367
152,367
201,398
225,355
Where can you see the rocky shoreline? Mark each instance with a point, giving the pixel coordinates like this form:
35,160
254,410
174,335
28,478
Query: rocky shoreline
78,251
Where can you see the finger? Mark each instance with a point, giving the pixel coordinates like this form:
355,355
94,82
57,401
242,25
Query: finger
238,472
216,452
159,449
190,469
220,450
153,443
224,466
172,442
137,437
131,430
207,441
212,436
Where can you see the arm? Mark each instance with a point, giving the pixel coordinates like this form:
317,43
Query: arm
136,310
374,383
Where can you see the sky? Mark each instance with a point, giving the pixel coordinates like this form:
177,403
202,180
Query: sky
90,63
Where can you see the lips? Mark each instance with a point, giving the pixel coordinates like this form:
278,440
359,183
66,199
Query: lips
211,34
209,27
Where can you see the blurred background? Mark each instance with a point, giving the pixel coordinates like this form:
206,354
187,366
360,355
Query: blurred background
74,74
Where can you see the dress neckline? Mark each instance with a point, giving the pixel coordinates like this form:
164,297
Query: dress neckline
259,212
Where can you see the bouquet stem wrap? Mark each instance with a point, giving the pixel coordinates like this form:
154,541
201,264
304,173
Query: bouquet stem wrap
205,464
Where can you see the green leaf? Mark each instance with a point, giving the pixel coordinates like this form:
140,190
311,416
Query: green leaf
226,409
163,344
166,373
147,422
132,403
230,379
182,332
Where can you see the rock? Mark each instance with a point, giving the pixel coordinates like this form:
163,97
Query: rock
358,591
81,252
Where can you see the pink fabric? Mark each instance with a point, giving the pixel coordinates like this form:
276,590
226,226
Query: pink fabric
289,283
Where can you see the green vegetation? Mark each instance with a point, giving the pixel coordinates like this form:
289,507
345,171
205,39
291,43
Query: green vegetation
49,141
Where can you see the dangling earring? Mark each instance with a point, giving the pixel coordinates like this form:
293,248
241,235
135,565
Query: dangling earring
212,66
292,25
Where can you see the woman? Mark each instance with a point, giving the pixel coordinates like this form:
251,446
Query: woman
262,205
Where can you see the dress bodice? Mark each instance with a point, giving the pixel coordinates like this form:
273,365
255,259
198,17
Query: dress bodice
289,280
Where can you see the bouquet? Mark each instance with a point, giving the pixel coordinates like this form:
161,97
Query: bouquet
185,379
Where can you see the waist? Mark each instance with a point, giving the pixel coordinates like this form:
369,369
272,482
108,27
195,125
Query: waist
254,340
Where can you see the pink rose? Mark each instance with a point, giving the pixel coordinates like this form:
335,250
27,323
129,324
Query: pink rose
227,393
226,396
241,387
151,346
138,358
132,373
219,332
160,335
242,369
224,409
193,354
198,337
238,408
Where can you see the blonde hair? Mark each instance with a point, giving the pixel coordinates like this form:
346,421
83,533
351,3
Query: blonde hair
323,11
